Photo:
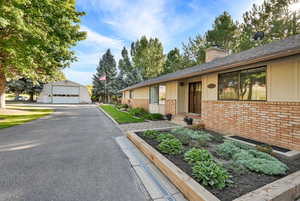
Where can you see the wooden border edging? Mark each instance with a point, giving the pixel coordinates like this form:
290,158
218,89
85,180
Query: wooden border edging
186,184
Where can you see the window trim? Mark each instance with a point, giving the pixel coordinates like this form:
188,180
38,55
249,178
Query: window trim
158,86
239,84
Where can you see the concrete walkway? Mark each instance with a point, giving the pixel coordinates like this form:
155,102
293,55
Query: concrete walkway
147,125
69,156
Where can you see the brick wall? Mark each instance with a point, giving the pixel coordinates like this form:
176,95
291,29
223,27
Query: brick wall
276,123
170,106
144,103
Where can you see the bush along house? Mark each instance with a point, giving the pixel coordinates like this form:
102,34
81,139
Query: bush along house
254,94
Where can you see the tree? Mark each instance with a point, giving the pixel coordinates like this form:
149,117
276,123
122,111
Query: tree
148,57
35,38
129,74
105,89
194,51
273,17
174,61
223,33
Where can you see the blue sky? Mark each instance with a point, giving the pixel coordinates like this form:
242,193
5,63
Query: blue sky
116,23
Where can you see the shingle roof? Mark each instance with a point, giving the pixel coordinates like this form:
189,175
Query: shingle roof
277,49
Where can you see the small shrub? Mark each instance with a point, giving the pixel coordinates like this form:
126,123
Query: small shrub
191,133
155,116
227,149
150,134
138,112
211,174
184,139
171,146
194,155
260,162
165,136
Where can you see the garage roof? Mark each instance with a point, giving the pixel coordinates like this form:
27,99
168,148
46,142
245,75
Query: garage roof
287,47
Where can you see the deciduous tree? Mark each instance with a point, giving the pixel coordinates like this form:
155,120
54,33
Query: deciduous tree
36,37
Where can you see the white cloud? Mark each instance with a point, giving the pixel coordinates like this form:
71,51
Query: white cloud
94,38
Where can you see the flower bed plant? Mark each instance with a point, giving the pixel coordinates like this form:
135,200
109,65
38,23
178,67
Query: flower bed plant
228,169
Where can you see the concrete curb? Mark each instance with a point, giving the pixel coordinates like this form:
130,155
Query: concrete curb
112,119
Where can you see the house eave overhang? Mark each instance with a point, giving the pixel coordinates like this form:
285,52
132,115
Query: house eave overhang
220,68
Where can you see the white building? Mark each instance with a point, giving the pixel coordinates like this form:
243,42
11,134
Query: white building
64,92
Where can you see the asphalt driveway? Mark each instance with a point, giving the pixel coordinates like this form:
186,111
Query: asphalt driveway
69,156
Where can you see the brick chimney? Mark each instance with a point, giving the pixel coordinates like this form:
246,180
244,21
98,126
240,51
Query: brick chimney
213,53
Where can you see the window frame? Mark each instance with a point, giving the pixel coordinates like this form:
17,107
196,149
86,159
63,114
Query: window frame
158,94
239,84
130,94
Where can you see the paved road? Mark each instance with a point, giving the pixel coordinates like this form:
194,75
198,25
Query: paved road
71,156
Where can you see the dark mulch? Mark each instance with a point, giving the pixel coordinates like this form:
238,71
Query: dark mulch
244,181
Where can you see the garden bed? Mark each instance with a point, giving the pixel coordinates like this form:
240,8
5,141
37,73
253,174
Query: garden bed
242,180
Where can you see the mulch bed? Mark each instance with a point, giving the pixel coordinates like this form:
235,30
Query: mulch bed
244,182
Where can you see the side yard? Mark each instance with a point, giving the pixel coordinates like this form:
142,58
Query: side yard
119,116
15,115
124,114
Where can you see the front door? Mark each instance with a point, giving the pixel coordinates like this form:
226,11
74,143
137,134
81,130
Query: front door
195,97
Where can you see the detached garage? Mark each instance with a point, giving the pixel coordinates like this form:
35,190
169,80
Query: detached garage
64,92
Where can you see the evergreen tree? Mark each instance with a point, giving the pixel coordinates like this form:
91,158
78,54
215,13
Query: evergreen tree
148,57
105,89
273,17
194,51
173,62
223,33
129,74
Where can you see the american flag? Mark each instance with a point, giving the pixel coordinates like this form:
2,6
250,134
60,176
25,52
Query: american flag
103,77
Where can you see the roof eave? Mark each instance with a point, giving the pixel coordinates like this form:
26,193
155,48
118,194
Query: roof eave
223,67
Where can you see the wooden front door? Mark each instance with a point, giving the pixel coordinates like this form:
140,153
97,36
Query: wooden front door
195,97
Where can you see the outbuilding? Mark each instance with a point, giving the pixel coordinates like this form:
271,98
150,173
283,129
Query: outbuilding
64,92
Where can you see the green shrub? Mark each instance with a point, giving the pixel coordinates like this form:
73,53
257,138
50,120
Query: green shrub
227,149
192,133
209,173
170,146
194,155
155,116
165,136
184,139
150,134
252,159
138,112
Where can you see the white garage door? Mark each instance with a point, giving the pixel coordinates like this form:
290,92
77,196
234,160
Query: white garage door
64,94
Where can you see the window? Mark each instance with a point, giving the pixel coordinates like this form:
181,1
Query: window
243,85
154,95
158,94
228,86
130,94
253,84
162,94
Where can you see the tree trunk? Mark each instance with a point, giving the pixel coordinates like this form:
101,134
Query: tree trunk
31,97
2,88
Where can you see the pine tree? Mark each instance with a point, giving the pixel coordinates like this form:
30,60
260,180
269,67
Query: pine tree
173,62
223,33
273,18
129,74
105,90
194,51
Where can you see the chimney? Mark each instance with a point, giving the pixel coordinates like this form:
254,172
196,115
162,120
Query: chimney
213,53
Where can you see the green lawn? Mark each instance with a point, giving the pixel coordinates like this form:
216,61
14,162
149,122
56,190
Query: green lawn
120,117
17,119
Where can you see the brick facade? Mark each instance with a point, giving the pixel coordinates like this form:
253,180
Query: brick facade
143,103
170,106
276,123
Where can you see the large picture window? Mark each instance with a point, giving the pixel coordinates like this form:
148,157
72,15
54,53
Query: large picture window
243,85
